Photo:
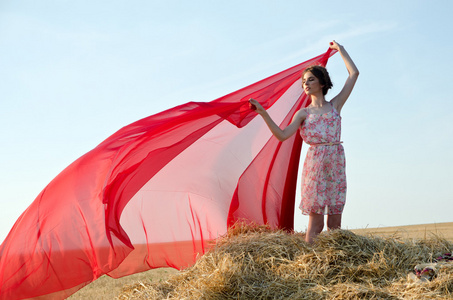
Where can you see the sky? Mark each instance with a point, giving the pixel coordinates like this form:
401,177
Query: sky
74,72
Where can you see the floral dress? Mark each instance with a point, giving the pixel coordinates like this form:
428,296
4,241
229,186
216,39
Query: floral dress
323,175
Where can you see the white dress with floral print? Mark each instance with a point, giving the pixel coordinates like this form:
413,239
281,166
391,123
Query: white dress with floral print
323,175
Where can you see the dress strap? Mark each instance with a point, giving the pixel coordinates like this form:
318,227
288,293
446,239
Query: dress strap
333,108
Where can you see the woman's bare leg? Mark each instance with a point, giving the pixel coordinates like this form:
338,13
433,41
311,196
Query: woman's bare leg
333,222
315,226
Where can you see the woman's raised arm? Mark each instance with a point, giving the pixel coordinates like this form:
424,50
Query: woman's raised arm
339,100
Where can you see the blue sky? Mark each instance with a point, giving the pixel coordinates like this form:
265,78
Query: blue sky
74,72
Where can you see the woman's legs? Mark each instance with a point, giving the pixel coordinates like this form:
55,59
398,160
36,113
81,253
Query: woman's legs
333,222
315,226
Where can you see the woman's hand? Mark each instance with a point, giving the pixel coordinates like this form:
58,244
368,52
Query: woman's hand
256,106
334,45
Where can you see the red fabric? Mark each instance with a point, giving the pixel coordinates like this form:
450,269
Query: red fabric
159,191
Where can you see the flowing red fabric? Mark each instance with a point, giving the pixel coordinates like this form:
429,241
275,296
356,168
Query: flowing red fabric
159,191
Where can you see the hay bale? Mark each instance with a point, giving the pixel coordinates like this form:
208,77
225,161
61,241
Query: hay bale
254,262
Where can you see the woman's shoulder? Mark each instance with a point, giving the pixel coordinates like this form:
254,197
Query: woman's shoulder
300,115
303,112
337,106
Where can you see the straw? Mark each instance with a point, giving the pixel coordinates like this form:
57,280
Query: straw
255,262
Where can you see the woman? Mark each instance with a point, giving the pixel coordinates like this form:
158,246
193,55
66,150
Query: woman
323,175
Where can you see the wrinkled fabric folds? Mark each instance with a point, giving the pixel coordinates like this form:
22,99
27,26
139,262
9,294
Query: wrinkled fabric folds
159,191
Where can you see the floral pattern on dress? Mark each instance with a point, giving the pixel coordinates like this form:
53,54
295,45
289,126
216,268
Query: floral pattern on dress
323,174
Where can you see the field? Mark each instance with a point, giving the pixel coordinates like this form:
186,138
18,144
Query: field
108,288
426,231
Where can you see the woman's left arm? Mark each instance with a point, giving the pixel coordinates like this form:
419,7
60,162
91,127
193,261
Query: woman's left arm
339,100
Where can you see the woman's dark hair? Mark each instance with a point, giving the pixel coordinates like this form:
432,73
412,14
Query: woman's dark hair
322,75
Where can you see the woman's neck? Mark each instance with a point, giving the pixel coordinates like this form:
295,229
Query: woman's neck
318,101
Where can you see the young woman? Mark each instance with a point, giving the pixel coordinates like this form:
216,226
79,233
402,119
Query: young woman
323,175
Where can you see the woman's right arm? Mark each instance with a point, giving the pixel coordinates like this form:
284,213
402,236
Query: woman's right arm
280,134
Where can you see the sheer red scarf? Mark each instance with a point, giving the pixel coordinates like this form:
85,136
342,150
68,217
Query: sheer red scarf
155,193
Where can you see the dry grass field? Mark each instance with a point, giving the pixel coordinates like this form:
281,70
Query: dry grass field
108,288
424,231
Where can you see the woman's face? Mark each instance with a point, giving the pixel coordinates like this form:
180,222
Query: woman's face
310,84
